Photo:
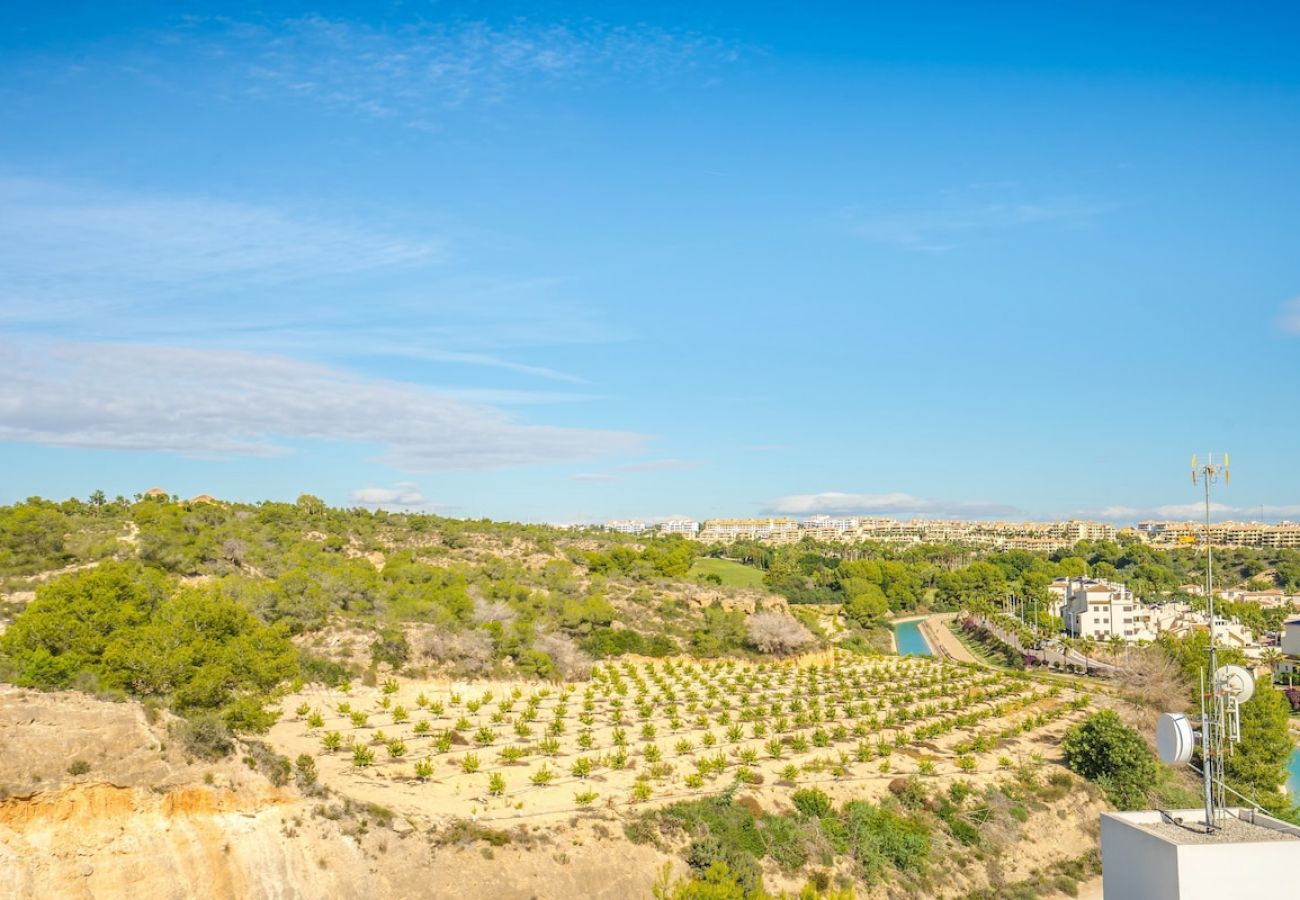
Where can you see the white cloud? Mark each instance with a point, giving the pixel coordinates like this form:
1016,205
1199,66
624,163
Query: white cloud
893,504
1194,511
1191,510
1223,511
1117,512
1288,318
403,495
223,403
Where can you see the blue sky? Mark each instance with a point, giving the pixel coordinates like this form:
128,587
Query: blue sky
574,262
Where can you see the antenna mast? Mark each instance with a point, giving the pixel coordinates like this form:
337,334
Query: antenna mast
1213,720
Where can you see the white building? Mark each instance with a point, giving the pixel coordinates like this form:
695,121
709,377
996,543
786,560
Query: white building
1104,609
1180,620
776,530
687,527
1057,592
627,526
1291,638
1273,598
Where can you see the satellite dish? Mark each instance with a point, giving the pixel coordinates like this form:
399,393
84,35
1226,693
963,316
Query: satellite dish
1237,681
1174,739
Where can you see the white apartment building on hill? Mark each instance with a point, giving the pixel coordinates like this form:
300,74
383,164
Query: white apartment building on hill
1101,610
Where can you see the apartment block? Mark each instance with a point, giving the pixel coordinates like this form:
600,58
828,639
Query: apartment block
1277,536
775,530
1101,610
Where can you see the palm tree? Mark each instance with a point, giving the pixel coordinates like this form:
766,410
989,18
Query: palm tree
1271,657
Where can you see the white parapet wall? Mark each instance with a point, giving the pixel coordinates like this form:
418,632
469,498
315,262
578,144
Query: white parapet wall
1145,857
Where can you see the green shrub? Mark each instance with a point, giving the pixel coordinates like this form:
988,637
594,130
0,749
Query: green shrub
787,841
1104,750
125,628
880,838
205,736
709,858
322,670
390,647
812,802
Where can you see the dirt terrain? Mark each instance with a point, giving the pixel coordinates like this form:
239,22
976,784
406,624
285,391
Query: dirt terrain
141,819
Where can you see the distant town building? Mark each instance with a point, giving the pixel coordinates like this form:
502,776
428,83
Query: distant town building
1280,535
1044,536
688,527
627,526
1273,598
725,531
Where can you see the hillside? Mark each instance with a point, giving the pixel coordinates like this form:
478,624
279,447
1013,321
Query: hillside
291,700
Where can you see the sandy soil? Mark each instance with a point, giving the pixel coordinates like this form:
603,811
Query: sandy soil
683,765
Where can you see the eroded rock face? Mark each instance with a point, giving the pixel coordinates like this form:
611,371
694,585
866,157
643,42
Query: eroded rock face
99,841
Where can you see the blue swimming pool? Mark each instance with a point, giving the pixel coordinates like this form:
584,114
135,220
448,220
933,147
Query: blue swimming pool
910,640
1293,779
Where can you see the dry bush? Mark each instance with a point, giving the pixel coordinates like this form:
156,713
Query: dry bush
571,663
486,611
773,632
1151,683
470,652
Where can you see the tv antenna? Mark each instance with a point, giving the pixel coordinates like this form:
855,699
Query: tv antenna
1229,687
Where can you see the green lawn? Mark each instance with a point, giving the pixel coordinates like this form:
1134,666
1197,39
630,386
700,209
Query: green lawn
731,573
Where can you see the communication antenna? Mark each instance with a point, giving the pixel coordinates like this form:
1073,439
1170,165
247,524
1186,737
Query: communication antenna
1229,687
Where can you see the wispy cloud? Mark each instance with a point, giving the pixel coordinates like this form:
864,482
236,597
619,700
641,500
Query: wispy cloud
416,74
88,263
65,247
970,215
592,477
1288,317
231,403
1191,511
892,504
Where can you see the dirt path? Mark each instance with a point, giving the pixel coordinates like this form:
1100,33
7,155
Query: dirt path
943,641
